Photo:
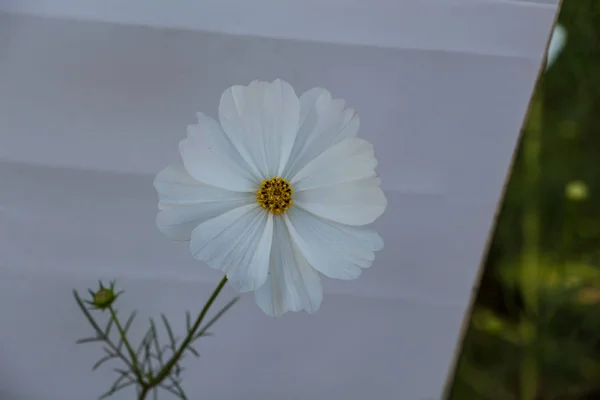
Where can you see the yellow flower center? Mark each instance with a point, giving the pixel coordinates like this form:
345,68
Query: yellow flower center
275,195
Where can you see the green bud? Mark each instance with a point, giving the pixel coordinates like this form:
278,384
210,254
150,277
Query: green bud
104,297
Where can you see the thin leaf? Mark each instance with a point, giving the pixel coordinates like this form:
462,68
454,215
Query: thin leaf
142,345
193,351
102,361
159,356
169,332
87,314
202,334
129,321
179,388
175,388
216,317
173,341
126,328
109,351
90,340
123,375
108,327
177,367
148,357
116,389
172,391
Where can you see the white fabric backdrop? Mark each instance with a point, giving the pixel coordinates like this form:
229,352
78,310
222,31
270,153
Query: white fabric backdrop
90,111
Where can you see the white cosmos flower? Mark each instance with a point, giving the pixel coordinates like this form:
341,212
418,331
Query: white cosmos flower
275,194
557,44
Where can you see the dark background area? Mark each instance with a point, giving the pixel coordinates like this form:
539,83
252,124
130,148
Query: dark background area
535,329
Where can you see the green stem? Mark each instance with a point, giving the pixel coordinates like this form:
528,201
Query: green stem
530,269
134,363
531,204
166,370
144,392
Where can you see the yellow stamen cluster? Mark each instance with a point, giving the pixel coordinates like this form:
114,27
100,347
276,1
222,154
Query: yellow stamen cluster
275,195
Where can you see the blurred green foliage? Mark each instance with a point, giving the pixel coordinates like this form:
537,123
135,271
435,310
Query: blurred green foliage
535,329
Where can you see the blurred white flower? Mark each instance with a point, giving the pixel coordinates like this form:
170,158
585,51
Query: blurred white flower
275,194
557,43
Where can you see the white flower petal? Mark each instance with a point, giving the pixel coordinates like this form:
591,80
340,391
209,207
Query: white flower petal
237,243
323,122
185,203
353,203
340,184
261,120
350,160
337,251
209,157
176,187
292,284
557,43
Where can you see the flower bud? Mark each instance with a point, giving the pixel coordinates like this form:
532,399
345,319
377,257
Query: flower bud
104,297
